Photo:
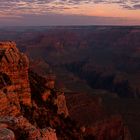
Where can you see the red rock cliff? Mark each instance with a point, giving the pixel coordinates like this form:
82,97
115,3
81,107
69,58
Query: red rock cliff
14,83
15,92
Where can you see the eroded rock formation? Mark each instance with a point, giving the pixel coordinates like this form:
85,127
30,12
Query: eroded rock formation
15,92
14,73
28,131
31,108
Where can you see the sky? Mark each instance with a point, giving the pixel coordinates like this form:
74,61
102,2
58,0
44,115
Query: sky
69,12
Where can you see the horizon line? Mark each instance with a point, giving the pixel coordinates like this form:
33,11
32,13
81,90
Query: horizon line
74,25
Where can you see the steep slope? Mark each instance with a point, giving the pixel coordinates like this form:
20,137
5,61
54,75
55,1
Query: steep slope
30,113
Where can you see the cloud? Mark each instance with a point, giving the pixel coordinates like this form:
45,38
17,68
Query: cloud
53,12
17,8
126,4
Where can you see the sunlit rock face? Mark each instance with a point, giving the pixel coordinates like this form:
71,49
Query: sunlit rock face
14,74
16,101
9,104
14,94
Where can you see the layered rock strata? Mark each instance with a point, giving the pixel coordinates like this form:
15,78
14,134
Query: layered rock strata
15,92
14,72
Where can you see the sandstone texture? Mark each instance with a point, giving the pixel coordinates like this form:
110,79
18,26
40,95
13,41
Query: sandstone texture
29,131
15,92
14,75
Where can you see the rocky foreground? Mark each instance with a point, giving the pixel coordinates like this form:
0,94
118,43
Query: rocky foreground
32,108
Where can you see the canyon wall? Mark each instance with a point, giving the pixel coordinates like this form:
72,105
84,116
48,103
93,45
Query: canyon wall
32,108
15,92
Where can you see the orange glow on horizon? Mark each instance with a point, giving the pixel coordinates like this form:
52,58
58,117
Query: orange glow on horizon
104,10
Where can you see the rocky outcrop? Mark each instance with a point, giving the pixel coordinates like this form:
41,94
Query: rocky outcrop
9,104
50,109
60,101
28,131
48,92
15,93
31,108
14,73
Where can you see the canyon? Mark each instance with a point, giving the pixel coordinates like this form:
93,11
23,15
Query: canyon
94,68
33,108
